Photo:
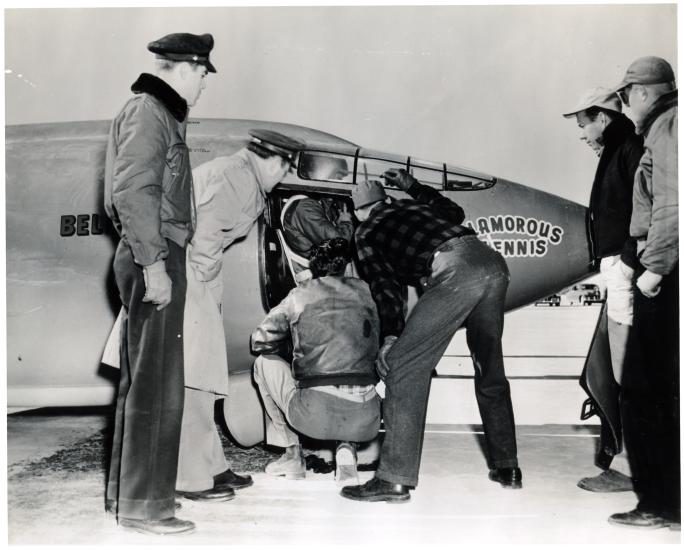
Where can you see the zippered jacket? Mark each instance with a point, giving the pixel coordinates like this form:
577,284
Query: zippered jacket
334,327
148,180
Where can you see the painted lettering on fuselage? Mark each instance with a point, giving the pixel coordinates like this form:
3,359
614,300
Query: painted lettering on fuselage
517,236
80,225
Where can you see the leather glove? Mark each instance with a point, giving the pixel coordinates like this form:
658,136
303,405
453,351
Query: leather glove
157,284
380,363
649,283
398,177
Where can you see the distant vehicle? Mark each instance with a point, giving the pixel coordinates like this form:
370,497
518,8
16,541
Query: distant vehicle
583,294
552,301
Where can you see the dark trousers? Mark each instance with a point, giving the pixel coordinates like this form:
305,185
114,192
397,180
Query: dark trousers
467,287
149,407
650,400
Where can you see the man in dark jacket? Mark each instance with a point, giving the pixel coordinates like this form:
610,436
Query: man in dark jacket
148,187
650,393
421,242
308,222
328,392
611,135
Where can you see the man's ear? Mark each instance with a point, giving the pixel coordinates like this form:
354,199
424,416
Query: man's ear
643,90
183,70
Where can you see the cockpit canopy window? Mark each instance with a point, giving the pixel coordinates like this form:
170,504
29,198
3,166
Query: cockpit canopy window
428,176
373,169
333,167
325,167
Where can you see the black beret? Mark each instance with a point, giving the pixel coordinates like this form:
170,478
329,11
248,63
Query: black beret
277,143
183,46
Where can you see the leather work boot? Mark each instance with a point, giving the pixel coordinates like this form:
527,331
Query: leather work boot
168,526
637,518
291,468
377,490
346,472
231,480
608,481
510,478
209,495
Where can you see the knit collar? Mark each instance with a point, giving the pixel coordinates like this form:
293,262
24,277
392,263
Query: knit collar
159,89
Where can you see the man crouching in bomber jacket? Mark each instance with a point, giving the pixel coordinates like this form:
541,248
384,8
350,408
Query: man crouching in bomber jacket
328,392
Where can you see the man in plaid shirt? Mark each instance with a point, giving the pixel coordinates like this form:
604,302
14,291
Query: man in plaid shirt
420,242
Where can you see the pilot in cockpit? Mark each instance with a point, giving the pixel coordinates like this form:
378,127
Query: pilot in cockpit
308,221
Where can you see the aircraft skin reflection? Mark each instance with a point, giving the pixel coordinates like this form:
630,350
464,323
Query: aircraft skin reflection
61,297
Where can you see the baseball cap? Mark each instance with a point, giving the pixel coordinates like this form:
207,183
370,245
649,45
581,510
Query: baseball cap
596,97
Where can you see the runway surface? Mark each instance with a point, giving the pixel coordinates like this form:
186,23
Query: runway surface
56,469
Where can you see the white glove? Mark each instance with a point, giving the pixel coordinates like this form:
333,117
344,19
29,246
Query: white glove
649,283
380,364
157,284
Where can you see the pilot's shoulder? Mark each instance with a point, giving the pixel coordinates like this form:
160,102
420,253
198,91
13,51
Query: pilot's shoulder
307,206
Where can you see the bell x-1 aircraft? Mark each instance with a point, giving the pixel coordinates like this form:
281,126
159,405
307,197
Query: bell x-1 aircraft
62,299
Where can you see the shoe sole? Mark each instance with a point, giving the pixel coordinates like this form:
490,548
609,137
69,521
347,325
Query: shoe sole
218,499
137,529
632,526
388,499
595,490
147,532
513,485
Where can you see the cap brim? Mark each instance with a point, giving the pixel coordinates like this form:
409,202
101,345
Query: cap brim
572,114
620,86
210,67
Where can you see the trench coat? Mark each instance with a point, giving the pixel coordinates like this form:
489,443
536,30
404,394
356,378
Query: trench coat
204,342
229,199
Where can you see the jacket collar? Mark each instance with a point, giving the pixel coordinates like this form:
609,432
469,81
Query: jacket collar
662,104
618,131
156,87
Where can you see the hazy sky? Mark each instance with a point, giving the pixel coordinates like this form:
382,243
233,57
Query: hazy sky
479,86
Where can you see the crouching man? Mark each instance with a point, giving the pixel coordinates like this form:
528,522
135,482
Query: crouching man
328,392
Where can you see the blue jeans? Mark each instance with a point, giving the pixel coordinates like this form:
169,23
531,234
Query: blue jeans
467,286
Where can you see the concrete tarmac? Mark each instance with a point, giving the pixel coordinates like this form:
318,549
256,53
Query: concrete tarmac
56,478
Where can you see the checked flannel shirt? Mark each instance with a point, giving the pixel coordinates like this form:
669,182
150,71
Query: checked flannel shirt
395,246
